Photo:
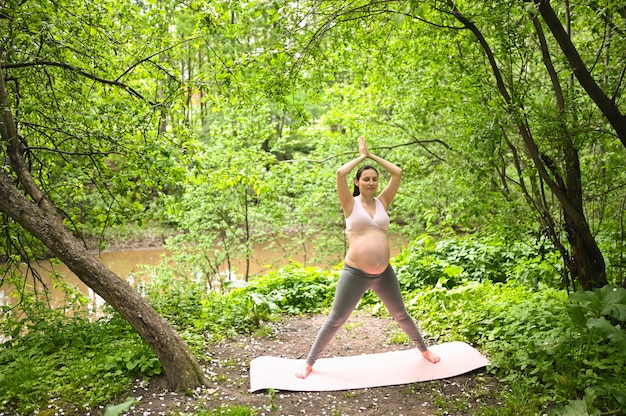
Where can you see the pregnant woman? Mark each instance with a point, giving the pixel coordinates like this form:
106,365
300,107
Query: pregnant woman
366,264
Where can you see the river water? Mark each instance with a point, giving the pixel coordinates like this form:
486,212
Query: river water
124,263
128,264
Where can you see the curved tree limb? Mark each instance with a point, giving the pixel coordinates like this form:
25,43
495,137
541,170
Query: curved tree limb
337,155
603,102
80,71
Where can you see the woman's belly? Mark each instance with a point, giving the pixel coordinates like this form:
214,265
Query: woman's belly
369,250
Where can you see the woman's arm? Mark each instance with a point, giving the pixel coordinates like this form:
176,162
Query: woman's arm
343,191
389,193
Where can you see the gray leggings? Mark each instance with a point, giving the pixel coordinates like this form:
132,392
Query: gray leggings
352,285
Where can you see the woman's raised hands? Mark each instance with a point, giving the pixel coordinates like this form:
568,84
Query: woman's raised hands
363,150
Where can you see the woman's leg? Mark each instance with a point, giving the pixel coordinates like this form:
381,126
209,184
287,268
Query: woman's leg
387,288
350,289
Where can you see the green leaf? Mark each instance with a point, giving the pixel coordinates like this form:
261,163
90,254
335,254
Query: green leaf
606,301
613,301
115,410
609,331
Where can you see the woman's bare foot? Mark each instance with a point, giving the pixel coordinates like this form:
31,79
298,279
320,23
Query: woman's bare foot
431,356
304,373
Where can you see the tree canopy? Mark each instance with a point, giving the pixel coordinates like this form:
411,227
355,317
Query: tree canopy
227,120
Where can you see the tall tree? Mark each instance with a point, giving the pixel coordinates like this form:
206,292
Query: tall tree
74,123
563,176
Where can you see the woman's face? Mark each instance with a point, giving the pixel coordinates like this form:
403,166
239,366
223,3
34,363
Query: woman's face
368,182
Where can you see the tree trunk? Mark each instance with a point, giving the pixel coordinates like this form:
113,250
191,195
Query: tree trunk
586,260
180,366
40,218
607,106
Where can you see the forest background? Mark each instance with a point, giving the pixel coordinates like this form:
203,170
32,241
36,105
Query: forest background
223,123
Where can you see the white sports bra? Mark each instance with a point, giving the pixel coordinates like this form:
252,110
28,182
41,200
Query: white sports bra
359,219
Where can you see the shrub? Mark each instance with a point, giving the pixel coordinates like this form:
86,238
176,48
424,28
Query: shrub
296,289
450,262
532,341
198,312
72,363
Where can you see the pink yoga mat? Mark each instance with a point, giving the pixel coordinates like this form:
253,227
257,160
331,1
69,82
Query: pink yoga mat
363,371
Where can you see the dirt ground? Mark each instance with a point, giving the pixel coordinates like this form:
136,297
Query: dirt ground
227,366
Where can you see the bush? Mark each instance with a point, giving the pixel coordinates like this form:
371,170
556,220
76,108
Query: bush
199,313
296,289
532,341
450,262
71,363
550,348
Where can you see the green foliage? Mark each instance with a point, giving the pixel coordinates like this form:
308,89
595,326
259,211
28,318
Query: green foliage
607,301
116,410
109,109
297,290
217,211
192,308
62,358
225,410
231,314
542,343
530,339
195,309
603,313
449,262
176,299
83,94
71,363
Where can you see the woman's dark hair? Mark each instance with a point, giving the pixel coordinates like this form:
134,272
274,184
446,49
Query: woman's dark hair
363,168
